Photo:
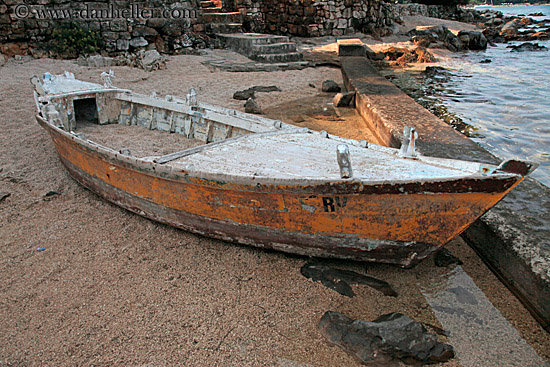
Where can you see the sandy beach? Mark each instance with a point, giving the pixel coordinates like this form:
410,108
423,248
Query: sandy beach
114,289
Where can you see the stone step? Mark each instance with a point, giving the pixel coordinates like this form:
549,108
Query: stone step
277,58
233,17
273,48
243,42
220,28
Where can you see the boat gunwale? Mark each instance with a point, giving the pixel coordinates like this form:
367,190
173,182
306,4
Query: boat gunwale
484,183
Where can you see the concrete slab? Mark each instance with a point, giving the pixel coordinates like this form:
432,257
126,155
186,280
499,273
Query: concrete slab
513,237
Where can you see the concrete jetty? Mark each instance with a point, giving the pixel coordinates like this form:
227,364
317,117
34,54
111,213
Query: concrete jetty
513,238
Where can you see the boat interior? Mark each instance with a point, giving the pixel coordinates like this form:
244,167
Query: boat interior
214,139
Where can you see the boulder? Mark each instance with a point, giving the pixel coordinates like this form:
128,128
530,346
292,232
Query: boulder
528,46
435,36
510,28
387,339
252,107
138,42
330,86
472,40
150,60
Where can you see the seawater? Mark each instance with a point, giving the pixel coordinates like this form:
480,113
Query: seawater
501,99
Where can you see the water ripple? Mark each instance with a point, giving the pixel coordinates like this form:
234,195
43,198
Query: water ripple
506,101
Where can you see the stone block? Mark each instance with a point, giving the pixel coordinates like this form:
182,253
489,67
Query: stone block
351,47
122,44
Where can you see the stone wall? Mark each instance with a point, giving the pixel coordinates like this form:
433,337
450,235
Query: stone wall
437,11
123,25
174,25
312,18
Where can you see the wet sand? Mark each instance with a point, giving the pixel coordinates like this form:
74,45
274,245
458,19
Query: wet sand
113,288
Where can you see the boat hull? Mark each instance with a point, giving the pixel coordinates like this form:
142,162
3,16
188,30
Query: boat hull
400,224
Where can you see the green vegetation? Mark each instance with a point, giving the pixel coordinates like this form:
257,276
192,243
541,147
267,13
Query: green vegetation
71,40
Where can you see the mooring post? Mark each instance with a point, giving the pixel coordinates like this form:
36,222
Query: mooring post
408,149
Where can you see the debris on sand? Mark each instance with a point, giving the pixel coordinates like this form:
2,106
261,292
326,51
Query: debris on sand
340,280
245,94
390,337
4,195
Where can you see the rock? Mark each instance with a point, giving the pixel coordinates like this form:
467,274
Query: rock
340,280
252,107
423,40
389,338
150,60
14,48
472,40
39,53
3,59
330,86
244,95
423,55
510,28
376,56
444,258
541,36
144,31
343,99
486,61
539,14
403,56
493,35
528,46
249,93
393,53
311,85
138,42
122,44
526,21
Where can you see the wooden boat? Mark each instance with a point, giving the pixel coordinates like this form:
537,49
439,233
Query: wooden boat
264,183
